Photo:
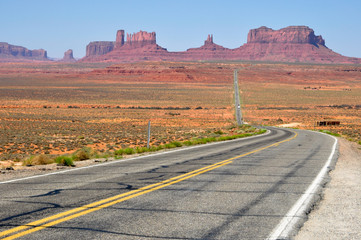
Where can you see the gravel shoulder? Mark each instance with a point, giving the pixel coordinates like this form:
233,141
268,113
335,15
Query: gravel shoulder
337,215
19,171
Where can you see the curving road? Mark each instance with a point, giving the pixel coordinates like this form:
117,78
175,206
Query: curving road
240,189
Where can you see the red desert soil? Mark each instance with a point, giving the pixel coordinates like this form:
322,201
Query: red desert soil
54,108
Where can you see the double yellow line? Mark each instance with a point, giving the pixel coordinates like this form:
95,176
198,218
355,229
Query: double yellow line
80,211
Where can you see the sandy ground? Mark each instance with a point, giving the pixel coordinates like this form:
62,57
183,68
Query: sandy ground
338,215
291,125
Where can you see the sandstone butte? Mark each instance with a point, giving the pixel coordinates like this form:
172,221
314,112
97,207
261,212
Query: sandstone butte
10,52
68,56
290,44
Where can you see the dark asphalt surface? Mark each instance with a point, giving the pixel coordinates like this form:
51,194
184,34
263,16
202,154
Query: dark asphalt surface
237,99
245,199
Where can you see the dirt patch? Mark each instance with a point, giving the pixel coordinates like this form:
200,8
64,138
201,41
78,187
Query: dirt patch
291,125
337,216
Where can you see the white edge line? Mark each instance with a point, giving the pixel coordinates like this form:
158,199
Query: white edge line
283,229
134,158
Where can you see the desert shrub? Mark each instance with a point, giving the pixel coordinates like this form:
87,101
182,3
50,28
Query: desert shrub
129,151
262,131
160,147
197,141
224,138
27,162
141,150
119,152
105,155
177,144
188,143
153,149
218,132
64,160
330,133
169,145
232,127
203,140
211,139
41,159
83,154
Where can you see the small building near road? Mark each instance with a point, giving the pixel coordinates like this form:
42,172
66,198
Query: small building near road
328,123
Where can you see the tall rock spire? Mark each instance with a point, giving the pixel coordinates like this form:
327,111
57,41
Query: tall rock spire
209,39
119,41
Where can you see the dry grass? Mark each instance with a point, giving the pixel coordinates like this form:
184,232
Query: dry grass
41,159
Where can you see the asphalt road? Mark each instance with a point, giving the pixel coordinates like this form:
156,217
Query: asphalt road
237,99
239,189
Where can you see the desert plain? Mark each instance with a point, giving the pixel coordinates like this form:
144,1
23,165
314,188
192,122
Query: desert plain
58,108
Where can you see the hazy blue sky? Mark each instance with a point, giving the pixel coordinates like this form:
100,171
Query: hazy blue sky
180,24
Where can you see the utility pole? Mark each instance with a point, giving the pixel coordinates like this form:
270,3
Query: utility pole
237,99
148,142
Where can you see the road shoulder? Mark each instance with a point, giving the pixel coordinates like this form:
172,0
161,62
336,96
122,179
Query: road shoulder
337,215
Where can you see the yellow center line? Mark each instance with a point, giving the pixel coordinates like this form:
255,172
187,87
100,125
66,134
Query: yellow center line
80,211
100,202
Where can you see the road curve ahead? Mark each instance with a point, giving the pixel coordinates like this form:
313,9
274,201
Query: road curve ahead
239,189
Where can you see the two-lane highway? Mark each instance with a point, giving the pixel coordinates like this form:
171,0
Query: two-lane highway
240,189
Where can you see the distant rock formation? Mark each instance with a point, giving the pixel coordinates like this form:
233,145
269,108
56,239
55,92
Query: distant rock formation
99,48
209,39
290,44
68,56
119,41
208,51
134,41
10,52
140,39
292,34
139,46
